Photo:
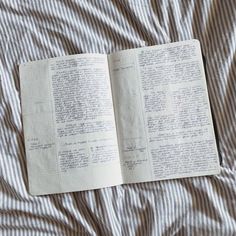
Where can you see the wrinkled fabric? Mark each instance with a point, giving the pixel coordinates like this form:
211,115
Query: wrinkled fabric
32,30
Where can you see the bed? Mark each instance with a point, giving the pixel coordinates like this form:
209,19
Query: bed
32,30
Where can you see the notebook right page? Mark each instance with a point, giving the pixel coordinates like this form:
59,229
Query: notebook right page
170,101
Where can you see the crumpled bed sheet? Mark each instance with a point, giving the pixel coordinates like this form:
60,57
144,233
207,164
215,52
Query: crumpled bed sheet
31,30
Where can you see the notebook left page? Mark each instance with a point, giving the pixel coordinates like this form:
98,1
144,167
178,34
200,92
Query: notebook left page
69,126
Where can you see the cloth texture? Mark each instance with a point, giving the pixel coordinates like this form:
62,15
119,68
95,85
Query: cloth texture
32,30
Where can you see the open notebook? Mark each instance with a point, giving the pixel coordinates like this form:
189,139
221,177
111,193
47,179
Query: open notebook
96,120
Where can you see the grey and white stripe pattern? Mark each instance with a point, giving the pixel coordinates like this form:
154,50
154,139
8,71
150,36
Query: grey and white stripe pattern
31,30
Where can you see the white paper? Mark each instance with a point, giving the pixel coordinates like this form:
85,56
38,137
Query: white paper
92,121
130,117
69,125
162,112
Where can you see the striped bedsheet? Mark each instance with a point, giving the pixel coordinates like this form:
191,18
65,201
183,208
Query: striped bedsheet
31,30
